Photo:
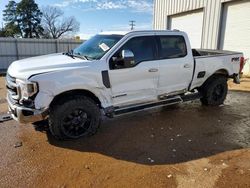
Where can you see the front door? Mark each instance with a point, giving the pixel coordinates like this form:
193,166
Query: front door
136,82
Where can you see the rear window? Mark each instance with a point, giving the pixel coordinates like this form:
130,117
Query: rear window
172,47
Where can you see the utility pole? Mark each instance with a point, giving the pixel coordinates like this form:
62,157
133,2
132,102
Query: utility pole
132,24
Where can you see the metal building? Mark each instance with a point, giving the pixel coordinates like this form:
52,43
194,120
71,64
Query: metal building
213,24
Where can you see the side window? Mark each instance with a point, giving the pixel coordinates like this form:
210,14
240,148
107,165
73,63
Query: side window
172,47
142,49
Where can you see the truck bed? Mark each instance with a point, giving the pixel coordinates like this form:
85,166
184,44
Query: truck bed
207,62
199,53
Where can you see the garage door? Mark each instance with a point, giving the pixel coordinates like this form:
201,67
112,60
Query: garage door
235,29
191,23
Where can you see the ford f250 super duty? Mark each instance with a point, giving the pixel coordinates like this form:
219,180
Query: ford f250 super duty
114,73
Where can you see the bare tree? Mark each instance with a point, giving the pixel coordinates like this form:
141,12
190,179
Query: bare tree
56,25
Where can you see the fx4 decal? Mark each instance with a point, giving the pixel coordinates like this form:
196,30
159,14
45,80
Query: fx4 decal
235,59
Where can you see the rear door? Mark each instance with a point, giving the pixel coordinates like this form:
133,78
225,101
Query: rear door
176,64
137,83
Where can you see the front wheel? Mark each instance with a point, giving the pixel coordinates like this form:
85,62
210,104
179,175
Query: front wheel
214,91
73,118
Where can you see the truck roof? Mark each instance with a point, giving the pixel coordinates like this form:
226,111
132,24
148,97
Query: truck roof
135,31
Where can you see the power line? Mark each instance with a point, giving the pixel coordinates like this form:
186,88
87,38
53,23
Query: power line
132,24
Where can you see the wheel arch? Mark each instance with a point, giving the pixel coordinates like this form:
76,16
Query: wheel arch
223,72
79,92
220,72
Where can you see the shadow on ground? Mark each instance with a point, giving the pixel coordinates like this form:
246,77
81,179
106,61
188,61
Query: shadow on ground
171,135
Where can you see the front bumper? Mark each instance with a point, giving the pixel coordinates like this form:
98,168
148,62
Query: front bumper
26,115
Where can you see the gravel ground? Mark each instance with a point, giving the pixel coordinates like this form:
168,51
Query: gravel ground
185,146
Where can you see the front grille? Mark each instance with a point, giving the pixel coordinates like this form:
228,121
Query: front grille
12,88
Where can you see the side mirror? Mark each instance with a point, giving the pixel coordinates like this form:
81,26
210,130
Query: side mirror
128,57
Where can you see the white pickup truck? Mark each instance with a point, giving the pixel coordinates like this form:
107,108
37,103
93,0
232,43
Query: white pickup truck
115,73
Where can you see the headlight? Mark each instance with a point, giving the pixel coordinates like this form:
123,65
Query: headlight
27,89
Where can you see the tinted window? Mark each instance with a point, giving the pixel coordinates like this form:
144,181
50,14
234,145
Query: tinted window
172,47
142,48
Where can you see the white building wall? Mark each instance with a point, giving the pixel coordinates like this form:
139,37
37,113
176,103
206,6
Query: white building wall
163,9
212,19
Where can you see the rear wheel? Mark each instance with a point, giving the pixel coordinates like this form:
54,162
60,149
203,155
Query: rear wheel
214,91
73,118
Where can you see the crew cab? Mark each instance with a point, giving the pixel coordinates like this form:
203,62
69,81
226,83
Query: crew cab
115,73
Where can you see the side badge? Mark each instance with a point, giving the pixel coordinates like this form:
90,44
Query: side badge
235,59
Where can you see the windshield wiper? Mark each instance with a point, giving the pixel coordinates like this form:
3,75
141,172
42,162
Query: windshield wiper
81,56
84,56
78,55
69,53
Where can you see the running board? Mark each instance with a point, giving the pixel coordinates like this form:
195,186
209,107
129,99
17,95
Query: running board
140,107
116,111
191,97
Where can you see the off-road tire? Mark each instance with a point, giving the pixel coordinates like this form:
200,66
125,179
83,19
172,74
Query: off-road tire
214,91
65,109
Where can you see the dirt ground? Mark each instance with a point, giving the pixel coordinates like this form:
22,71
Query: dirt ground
185,146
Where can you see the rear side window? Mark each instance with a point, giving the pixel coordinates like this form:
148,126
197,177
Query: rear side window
172,47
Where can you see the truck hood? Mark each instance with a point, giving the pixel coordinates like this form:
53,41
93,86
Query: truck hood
25,68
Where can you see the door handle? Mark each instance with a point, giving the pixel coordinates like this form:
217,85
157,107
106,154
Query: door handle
153,70
187,66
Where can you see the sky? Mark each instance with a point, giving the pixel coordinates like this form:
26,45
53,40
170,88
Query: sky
101,15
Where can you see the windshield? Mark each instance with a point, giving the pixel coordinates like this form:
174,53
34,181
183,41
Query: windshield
96,47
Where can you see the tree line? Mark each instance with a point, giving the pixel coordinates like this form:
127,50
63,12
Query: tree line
26,20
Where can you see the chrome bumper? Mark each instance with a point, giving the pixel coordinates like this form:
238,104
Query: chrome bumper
26,115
